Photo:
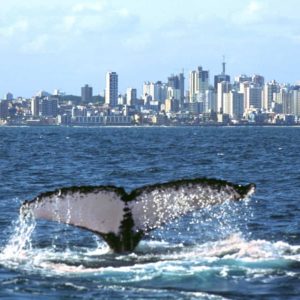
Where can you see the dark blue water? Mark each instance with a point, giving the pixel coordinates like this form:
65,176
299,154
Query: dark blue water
233,251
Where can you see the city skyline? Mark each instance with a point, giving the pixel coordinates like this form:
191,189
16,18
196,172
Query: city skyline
63,45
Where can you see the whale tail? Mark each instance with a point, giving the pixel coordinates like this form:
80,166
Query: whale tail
122,219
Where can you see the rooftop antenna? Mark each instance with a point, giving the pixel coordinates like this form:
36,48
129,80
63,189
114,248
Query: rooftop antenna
223,65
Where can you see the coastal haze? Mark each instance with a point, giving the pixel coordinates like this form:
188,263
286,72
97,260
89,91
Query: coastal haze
65,44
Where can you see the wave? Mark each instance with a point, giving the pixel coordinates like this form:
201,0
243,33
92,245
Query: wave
231,255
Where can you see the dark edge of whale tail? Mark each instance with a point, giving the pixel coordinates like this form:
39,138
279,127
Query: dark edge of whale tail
243,190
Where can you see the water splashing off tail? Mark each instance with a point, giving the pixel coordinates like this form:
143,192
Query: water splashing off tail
122,219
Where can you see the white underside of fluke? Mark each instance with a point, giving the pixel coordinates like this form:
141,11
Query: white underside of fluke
99,211
102,209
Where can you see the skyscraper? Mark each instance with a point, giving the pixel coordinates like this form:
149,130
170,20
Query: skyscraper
252,96
176,82
193,86
86,93
131,96
203,80
223,87
157,91
49,107
234,104
111,90
270,88
3,108
199,84
35,106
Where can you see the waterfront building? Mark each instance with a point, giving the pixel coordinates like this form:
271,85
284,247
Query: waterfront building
284,99
296,101
131,96
252,95
157,91
270,88
111,90
210,103
176,82
234,104
173,93
86,93
49,107
35,106
199,84
121,100
203,80
3,109
171,105
223,87
193,86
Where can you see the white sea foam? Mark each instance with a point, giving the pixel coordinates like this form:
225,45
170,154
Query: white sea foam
153,259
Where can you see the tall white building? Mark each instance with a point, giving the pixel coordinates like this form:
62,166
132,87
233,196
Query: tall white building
35,106
270,88
223,87
234,104
255,96
296,101
210,103
177,82
111,90
199,84
252,95
193,86
284,99
173,93
157,90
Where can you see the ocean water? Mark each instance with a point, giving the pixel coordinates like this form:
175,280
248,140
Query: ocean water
245,250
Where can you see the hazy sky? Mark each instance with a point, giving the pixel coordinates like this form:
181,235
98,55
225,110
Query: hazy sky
67,43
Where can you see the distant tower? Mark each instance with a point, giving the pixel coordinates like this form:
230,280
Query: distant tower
224,66
221,77
111,91
193,86
86,93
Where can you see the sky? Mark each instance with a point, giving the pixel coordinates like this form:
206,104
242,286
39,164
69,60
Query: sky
65,44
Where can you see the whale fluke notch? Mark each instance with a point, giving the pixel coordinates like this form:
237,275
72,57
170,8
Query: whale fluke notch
122,219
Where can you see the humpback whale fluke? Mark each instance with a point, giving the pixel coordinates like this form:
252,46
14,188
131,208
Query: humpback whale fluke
122,219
